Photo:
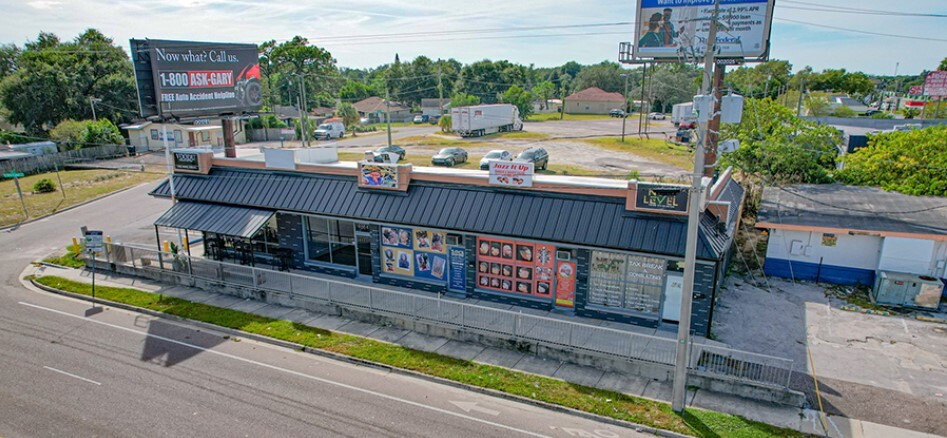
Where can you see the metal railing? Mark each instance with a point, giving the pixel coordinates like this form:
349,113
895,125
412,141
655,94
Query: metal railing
575,336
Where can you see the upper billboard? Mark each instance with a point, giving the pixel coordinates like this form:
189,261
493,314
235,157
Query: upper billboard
677,29
185,78
936,84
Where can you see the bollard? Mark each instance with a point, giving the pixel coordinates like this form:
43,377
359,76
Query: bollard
185,244
75,245
166,246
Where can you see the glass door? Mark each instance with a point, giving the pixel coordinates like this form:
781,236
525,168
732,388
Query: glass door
364,250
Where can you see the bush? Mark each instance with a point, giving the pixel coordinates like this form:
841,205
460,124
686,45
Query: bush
44,185
445,124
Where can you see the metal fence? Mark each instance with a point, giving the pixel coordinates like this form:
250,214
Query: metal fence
41,163
576,336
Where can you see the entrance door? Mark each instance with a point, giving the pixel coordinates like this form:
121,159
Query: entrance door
671,310
364,249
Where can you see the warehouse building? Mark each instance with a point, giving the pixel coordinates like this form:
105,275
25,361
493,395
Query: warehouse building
593,247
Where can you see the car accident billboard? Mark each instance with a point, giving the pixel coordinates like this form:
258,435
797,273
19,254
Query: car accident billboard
678,29
186,78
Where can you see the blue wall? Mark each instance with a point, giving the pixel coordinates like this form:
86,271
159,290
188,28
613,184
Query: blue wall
806,271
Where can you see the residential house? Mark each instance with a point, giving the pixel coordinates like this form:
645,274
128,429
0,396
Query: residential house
146,136
593,101
375,109
434,107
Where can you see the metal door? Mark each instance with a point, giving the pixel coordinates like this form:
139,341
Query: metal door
364,253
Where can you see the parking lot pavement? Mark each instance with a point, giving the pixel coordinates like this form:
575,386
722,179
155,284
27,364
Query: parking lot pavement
603,127
887,369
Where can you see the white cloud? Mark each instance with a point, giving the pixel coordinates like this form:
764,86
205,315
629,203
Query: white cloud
43,4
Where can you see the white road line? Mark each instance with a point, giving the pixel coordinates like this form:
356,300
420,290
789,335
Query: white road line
72,375
295,373
905,327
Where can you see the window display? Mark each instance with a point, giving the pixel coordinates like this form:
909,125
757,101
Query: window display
520,267
625,281
414,253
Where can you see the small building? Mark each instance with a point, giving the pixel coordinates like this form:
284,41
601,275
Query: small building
593,101
846,234
434,107
592,247
209,134
375,110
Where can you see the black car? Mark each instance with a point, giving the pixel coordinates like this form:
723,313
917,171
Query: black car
393,149
617,113
449,157
538,156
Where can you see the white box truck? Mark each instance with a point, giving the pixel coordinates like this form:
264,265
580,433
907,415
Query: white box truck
478,120
683,114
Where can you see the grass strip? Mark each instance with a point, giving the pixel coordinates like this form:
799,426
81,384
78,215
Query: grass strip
657,150
69,260
612,404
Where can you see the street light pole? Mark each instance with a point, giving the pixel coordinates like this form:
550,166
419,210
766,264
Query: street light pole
92,102
626,108
693,218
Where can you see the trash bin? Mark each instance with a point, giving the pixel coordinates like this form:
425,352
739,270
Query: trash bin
131,150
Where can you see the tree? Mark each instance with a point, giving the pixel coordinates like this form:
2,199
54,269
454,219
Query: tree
354,91
756,81
544,91
606,76
910,113
779,147
349,114
910,162
843,111
68,133
102,132
461,99
9,53
522,99
297,57
71,134
943,65
54,80
488,80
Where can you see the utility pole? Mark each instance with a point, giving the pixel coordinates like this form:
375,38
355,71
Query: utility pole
644,69
766,90
305,113
388,112
693,218
802,86
626,108
92,102
440,94
647,120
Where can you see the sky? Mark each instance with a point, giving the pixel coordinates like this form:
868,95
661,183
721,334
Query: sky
358,33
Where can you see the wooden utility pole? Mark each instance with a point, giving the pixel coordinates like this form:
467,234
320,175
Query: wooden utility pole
713,127
440,94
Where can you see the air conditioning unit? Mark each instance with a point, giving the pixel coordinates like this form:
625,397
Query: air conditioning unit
907,290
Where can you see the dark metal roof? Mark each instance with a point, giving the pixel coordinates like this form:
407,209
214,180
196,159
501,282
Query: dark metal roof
220,219
851,207
571,219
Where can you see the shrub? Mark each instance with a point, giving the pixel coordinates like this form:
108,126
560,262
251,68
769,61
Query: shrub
445,124
44,185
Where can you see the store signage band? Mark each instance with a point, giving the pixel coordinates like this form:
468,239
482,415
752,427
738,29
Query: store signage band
661,198
511,174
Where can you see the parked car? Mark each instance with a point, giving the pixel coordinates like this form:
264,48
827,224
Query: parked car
495,155
393,149
538,156
449,157
328,131
657,116
421,118
872,111
617,113
435,119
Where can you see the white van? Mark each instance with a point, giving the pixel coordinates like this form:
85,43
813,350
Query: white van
329,130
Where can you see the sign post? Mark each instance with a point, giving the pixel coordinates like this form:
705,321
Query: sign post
93,244
16,181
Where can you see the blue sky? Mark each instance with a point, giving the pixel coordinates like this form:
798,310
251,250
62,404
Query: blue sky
332,24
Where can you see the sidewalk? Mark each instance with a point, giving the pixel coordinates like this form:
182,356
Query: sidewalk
803,420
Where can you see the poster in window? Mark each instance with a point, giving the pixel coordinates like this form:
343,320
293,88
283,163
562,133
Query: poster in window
483,267
484,281
422,240
427,240
398,237
565,284
524,252
438,242
483,248
494,249
507,271
430,266
524,273
506,285
404,264
543,288
388,260
458,269
829,239
524,287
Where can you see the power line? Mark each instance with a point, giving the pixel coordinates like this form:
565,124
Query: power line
866,32
841,9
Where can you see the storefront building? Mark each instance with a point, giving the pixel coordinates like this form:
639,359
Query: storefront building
592,247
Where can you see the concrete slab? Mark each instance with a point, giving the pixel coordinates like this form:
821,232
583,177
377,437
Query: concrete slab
249,306
460,350
581,375
358,328
658,390
273,311
537,365
327,322
299,315
421,342
198,296
499,357
623,383
389,334
223,301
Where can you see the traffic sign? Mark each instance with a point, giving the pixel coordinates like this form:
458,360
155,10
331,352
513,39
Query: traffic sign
13,175
93,241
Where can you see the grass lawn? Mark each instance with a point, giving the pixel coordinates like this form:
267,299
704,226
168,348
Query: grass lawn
607,403
80,186
69,259
653,149
555,116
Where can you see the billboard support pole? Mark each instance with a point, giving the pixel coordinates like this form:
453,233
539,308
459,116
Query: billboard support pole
167,157
693,216
305,113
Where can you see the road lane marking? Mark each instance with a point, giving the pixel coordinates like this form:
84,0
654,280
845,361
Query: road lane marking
291,372
472,406
72,375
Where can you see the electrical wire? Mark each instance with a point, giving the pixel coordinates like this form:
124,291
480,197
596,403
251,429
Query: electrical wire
842,9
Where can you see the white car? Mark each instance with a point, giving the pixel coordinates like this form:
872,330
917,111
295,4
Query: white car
657,116
328,131
496,155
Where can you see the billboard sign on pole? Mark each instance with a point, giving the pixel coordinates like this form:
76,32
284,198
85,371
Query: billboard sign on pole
936,84
193,79
916,90
677,29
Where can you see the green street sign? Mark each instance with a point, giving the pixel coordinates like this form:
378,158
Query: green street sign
13,175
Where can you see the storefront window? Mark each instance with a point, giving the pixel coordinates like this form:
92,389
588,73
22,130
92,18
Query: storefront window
526,268
330,241
413,252
625,281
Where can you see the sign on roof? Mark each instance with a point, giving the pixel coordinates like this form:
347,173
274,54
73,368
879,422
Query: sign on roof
511,174
661,198
679,28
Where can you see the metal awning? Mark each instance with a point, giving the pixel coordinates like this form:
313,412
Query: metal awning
220,219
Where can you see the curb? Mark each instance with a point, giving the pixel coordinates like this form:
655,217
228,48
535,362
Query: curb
34,219
368,363
931,319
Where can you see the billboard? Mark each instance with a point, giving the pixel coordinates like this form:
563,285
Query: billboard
936,84
190,79
678,29
511,174
382,176
916,90
663,198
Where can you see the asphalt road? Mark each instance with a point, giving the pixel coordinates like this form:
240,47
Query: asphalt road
119,373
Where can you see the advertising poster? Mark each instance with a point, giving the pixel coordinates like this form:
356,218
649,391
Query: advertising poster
404,262
679,28
430,266
378,175
427,240
394,236
565,284
511,174
195,78
458,269
936,84
513,266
